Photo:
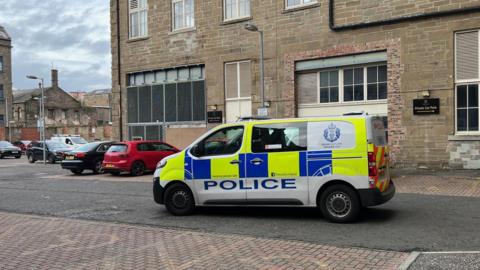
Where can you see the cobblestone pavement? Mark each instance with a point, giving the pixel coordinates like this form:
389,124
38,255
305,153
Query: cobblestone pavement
33,242
439,184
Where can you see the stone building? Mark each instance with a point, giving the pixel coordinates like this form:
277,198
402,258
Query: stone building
176,60
5,83
100,99
63,114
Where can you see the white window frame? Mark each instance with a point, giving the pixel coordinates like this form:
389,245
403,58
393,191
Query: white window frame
239,97
138,10
237,17
465,82
341,86
174,28
302,4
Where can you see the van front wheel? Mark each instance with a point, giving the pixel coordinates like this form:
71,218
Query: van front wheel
179,200
340,204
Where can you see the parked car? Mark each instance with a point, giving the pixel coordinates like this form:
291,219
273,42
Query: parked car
22,145
86,157
54,151
136,157
73,140
9,150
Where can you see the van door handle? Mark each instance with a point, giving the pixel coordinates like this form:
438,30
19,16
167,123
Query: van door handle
256,161
234,162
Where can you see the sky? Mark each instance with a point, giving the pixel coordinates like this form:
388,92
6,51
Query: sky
72,36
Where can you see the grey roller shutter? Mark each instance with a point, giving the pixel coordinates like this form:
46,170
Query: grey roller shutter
467,56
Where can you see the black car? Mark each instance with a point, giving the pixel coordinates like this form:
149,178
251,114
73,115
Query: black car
9,150
86,157
54,151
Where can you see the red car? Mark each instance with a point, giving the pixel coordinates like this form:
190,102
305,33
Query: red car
136,157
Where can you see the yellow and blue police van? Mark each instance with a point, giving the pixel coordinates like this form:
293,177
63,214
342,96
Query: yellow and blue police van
338,164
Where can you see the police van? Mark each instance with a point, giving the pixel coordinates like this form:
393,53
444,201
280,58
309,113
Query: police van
338,164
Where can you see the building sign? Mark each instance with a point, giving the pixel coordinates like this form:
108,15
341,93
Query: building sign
426,106
214,117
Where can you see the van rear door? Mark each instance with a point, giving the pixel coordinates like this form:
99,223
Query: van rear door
378,151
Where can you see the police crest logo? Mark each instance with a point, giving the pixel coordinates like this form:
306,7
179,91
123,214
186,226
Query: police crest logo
332,133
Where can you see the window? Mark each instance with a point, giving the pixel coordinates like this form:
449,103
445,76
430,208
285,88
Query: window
144,147
236,9
349,84
377,82
329,86
297,3
238,90
183,14
2,94
2,120
1,63
353,84
467,78
279,137
226,141
51,114
162,147
467,107
103,148
138,10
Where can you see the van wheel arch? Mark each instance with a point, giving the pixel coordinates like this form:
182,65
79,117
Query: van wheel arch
182,190
331,183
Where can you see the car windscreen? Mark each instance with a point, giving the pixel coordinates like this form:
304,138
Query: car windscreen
5,144
78,140
87,147
117,148
55,145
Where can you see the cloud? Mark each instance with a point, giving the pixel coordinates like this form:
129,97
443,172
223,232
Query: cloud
70,35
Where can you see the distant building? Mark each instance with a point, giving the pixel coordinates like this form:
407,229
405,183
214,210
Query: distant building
5,83
99,99
64,114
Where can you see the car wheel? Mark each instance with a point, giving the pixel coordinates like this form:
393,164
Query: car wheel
179,200
98,169
138,168
115,173
31,159
17,157
51,159
340,204
1,157
77,171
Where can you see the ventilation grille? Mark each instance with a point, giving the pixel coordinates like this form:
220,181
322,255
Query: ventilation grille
133,4
467,56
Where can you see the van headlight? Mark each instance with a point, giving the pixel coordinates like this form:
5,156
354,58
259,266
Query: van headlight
162,163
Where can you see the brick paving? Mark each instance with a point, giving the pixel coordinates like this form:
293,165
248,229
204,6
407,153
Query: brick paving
33,242
439,184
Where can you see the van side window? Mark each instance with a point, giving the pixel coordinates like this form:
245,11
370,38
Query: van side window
223,142
284,137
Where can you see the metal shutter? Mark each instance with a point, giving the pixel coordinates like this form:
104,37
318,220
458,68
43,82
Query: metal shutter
467,56
133,4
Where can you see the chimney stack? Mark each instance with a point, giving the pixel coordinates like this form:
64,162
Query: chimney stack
54,78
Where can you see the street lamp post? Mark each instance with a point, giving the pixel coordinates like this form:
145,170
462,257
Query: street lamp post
253,28
42,115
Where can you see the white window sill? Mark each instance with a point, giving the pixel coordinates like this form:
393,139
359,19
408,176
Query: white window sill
474,136
337,104
236,20
183,30
135,39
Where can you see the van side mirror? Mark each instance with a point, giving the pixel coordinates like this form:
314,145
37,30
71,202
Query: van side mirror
198,150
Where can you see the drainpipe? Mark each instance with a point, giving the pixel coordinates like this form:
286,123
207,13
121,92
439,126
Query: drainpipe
119,72
407,18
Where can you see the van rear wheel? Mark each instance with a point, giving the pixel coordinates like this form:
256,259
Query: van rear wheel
179,200
340,204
